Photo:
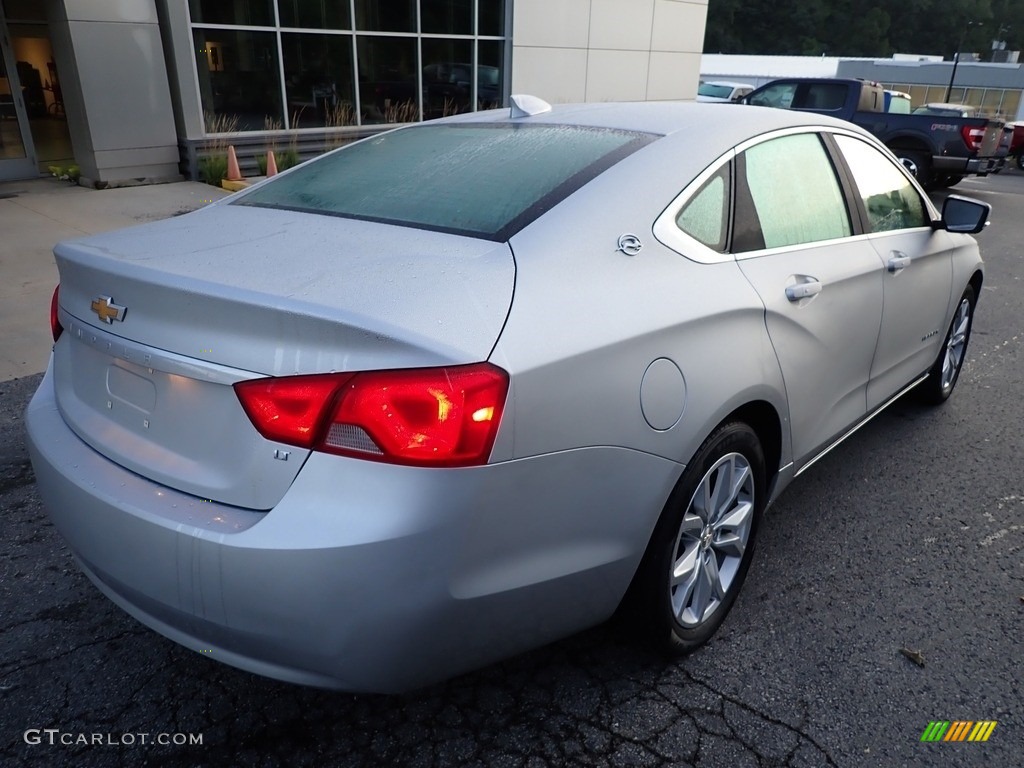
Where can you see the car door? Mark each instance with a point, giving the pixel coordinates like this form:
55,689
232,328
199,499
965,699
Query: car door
917,269
820,285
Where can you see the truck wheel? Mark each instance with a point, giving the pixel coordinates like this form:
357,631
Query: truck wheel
1020,161
918,163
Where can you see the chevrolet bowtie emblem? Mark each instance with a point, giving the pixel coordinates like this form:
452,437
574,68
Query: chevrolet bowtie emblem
107,310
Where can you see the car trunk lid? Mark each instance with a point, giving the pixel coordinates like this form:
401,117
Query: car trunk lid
231,293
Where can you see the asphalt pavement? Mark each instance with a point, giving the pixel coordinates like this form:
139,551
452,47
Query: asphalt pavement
909,536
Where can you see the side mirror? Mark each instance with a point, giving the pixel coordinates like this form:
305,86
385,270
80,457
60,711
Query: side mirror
962,214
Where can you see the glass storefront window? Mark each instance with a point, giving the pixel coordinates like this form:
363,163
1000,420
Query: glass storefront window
246,13
1011,104
11,145
918,95
447,77
990,103
447,17
318,79
972,97
314,14
490,74
956,95
390,16
239,79
387,79
491,22
304,71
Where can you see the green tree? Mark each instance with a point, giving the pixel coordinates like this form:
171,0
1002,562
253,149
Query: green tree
846,28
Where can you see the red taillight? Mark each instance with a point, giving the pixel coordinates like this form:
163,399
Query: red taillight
973,137
442,417
55,327
289,409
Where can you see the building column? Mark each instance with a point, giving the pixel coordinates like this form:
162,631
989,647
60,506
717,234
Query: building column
115,88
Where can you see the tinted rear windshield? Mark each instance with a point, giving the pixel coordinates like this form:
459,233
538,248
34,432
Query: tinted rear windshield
482,180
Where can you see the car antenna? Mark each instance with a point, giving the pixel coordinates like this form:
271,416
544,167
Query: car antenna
524,105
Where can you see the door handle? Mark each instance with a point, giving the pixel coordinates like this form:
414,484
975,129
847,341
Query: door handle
803,290
898,261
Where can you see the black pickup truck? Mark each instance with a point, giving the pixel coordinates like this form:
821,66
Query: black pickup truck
939,150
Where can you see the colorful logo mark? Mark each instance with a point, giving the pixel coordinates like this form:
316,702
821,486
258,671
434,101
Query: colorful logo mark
958,730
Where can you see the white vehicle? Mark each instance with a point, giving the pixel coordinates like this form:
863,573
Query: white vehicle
720,90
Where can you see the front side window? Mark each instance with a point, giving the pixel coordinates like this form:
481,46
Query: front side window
795,192
891,200
777,95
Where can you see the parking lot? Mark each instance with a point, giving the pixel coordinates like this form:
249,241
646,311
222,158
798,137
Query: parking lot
909,536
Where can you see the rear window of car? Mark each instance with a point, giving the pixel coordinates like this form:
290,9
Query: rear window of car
716,91
481,180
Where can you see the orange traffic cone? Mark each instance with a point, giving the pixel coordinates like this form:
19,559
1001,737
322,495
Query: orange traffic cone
234,173
271,163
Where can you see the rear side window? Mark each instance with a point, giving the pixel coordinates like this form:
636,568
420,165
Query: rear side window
705,217
481,180
824,97
795,192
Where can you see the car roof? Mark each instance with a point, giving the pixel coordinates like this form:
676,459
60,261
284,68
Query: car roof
729,83
946,105
717,129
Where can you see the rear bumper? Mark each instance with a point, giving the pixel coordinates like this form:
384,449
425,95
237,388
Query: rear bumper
366,576
975,166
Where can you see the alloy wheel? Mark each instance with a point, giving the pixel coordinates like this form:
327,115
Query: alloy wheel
712,539
956,343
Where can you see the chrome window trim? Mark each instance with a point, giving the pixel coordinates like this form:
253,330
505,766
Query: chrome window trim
668,233
796,247
671,236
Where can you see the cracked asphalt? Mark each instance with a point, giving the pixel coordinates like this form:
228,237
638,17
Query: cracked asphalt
910,535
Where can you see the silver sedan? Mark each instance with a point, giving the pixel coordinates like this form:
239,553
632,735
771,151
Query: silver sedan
466,387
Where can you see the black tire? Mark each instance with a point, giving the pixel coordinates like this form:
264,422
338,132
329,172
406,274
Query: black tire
661,607
945,372
919,164
1020,161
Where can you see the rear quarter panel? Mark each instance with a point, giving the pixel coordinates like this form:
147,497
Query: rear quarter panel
588,320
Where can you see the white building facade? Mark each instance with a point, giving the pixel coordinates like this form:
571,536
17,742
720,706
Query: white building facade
136,90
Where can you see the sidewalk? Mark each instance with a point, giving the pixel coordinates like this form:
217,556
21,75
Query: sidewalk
34,216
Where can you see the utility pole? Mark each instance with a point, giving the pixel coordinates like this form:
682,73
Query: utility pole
956,57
